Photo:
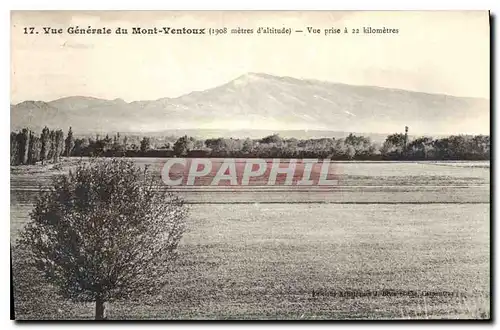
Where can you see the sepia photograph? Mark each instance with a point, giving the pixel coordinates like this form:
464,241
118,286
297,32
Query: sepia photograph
250,165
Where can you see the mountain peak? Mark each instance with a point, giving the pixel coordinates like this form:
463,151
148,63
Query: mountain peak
264,77
258,100
250,76
259,75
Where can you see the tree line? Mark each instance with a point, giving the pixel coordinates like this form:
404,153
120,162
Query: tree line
30,148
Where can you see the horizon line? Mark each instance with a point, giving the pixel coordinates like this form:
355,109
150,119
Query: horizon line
274,131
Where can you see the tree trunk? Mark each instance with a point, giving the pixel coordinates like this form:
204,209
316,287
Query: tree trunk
99,309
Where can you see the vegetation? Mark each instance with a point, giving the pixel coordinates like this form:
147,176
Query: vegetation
27,148
102,233
352,261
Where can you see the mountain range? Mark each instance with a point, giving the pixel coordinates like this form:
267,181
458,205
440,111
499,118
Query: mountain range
257,101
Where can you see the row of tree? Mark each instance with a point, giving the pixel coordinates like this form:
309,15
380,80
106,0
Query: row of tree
353,147
27,148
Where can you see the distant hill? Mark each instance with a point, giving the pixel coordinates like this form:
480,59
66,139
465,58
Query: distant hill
266,103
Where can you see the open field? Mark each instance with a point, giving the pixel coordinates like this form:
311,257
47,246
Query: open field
393,240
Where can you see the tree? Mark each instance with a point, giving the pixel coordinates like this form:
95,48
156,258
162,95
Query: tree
183,145
275,138
81,146
134,147
45,139
23,141
69,143
58,145
394,145
107,143
362,146
52,145
420,147
118,148
247,146
217,145
198,144
145,144
35,146
98,147
125,142
481,146
350,152
14,149
104,232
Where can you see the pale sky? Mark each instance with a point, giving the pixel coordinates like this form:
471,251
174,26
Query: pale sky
434,52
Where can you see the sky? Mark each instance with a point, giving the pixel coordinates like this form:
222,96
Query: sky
434,52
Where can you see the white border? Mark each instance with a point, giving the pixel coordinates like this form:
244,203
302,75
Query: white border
253,5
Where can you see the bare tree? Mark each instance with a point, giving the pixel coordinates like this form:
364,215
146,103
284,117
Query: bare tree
104,232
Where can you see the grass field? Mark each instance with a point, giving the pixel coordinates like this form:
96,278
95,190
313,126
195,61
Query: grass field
395,240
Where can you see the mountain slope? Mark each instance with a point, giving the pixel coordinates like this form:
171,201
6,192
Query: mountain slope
261,101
